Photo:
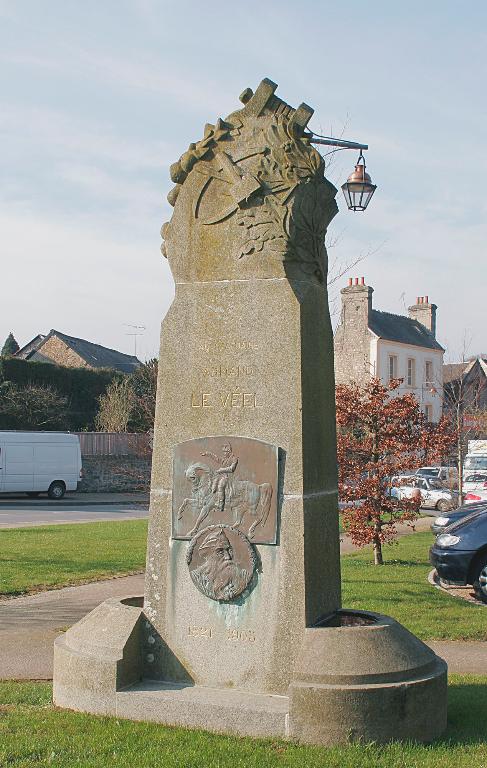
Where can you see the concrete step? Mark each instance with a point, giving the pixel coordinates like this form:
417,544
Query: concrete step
214,709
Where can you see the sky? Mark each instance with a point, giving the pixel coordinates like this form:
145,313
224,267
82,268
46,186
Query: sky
97,99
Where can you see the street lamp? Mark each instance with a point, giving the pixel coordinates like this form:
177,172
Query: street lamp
358,188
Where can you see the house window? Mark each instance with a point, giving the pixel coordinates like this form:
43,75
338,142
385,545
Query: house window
411,378
392,367
428,372
428,412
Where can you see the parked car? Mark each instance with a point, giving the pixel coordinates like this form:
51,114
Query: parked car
472,497
39,462
433,493
460,553
474,482
450,518
449,475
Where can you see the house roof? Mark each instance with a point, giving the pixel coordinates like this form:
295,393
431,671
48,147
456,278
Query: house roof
94,354
453,371
25,351
402,329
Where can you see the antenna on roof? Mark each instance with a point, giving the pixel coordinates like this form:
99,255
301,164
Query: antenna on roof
138,330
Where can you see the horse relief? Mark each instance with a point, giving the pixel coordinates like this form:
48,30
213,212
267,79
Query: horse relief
221,495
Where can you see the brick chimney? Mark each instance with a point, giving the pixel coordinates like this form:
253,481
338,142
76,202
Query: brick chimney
356,302
424,313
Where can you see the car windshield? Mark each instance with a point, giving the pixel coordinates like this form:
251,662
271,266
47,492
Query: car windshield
428,472
476,462
436,484
475,479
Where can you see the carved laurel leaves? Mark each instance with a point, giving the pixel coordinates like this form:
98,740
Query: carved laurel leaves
288,217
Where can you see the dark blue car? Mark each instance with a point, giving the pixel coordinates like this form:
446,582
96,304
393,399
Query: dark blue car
440,523
459,554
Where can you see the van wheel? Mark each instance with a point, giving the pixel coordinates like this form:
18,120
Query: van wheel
32,494
57,489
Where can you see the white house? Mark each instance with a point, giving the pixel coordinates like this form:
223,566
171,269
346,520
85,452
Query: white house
371,343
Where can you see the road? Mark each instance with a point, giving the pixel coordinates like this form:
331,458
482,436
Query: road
21,512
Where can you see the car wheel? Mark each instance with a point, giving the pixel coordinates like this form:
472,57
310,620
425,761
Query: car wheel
57,489
443,505
32,494
480,579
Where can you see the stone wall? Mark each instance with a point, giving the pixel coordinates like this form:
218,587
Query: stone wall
58,351
115,474
352,337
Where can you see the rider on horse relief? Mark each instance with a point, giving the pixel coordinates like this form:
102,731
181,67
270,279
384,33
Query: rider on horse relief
220,485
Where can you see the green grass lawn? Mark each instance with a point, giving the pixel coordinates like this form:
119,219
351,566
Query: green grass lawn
400,589
52,556
45,557
34,733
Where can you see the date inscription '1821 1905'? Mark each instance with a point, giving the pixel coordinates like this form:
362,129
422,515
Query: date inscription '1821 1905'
230,481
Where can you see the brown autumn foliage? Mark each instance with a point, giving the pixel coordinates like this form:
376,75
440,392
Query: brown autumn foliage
380,434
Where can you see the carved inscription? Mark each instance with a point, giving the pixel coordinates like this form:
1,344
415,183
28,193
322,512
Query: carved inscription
234,635
241,635
228,346
206,632
228,371
238,397
224,400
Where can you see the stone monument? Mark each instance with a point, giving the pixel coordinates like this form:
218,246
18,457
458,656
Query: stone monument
241,628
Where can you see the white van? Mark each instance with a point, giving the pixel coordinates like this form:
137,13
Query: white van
39,462
476,459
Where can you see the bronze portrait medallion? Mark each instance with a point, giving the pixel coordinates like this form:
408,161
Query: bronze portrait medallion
221,562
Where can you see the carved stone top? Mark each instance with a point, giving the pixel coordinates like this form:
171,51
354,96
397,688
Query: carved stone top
250,198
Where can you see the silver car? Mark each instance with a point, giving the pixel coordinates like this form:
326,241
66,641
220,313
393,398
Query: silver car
433,493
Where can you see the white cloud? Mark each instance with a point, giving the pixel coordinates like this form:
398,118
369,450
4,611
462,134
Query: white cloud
149,74
60,135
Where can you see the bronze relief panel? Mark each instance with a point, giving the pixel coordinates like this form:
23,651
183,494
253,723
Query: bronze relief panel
225,481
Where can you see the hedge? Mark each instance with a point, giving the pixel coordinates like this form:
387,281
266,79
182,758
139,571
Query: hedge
82,386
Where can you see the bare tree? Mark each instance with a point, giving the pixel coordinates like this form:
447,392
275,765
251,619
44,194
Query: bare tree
32,407
337,268
116,406
144,384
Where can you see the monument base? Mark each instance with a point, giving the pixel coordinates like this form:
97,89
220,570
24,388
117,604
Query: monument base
360,676
213,709
363,676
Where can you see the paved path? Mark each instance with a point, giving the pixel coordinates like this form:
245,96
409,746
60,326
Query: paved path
28,625
421,524
463,657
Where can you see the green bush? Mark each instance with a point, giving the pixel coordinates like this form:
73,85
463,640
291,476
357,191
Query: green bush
80,386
